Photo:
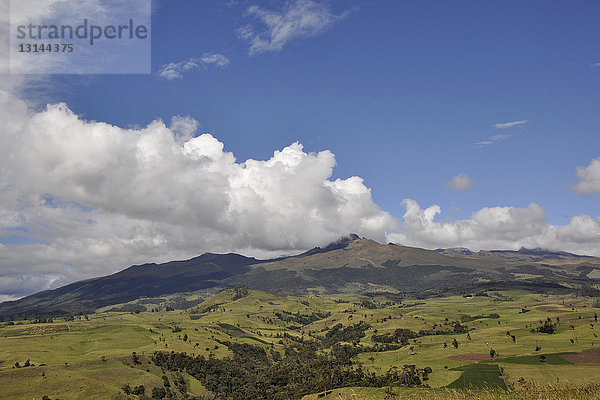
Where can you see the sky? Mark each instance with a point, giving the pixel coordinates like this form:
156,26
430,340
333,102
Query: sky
270,127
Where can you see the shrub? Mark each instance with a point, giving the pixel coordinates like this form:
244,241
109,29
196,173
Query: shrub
158,393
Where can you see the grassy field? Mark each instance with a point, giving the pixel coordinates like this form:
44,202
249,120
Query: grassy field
91,356
530,392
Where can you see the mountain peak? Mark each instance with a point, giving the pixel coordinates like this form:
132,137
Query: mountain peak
348,262
344,240
341,243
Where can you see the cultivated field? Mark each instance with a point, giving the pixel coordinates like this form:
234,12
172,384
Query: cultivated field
92,356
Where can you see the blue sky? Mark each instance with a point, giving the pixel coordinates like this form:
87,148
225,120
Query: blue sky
399,91
466,121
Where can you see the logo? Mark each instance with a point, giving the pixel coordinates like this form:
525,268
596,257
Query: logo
80,36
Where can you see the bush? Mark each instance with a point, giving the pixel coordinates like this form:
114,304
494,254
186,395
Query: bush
547,327
139,390
158,393
126,389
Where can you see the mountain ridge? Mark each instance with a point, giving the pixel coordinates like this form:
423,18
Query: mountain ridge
348,264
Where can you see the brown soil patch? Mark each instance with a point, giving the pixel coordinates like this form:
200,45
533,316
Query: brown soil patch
471,357
589,356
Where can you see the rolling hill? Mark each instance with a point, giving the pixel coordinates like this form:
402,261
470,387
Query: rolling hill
351,264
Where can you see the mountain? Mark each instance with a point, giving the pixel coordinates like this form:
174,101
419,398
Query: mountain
459,250
147,280
338,244
351,264
538,254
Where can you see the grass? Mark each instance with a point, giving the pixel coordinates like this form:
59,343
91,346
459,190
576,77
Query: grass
479,376
233,330
112,336
549,359
529,392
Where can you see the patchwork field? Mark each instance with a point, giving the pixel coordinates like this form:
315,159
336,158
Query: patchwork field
495,344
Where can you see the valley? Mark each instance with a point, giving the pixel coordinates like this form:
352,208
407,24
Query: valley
489,343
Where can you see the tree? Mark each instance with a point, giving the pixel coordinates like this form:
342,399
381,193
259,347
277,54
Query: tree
425,373
135,358
546,327
158,393
409,376
455,343
126,389
492,353
139,390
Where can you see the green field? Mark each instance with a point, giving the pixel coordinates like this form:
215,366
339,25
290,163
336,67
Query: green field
478,376
91,356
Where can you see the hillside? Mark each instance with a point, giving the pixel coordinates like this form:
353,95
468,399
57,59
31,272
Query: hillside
248,344
147,280
351,264
366,266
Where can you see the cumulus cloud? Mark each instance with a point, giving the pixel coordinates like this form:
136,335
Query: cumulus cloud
497,228
96,197
460,182
297,19
90,198
590,178
175,70
504,125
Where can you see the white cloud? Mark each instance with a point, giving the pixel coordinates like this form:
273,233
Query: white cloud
460,182
297,19
97,197
176,70
492,139
8,298
590,178
503,125
497,228
596,65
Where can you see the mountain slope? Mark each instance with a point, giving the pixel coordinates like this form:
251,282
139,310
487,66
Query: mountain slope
367,266
137,281
349,265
